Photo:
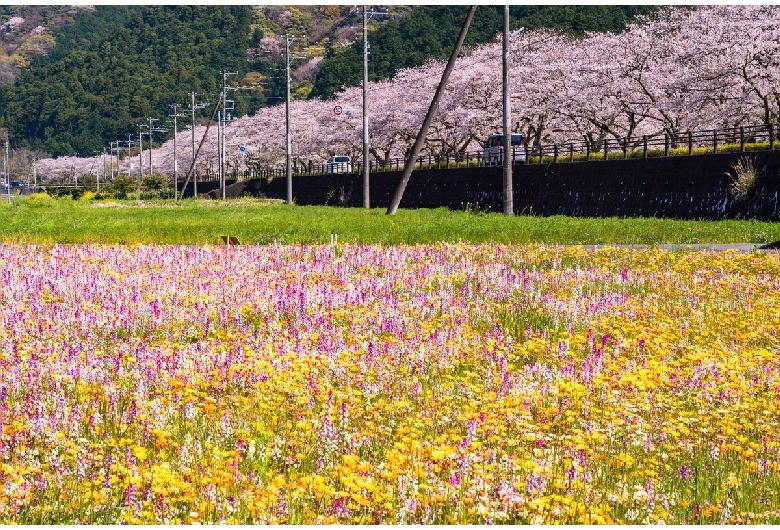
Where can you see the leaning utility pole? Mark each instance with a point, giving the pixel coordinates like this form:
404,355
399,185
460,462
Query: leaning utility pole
409,166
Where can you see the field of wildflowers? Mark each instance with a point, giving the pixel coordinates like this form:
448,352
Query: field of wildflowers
402,384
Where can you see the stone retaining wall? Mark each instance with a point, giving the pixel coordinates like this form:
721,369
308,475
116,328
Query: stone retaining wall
684,187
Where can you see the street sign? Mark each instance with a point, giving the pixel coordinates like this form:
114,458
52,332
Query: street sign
242,148
337,110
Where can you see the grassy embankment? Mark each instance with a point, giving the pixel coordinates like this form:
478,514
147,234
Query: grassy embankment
262,222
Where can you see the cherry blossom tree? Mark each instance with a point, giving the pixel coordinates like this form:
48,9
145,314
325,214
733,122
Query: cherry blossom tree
684,69
742,67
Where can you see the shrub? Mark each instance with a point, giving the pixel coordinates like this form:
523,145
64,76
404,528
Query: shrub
121,186
41,200
743,178
87,196
155,183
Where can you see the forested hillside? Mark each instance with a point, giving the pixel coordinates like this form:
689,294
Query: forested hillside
430,32
681,71
89,76
117,66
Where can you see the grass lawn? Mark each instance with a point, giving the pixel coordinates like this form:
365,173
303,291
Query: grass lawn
67,221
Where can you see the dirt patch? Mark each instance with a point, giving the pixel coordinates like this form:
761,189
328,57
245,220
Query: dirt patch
188,202
109,204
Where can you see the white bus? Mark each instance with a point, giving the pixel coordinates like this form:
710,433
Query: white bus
339,164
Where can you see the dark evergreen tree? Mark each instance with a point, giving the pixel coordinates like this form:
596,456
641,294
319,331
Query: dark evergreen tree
430,31
118,66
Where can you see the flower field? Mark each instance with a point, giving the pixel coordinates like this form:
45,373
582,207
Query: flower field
403,384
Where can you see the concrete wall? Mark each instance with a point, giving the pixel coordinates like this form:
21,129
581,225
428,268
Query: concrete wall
685,187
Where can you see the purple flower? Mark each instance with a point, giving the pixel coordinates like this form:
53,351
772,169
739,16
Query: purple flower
686,473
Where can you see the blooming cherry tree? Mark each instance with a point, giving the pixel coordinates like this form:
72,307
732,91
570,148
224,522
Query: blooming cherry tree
684,69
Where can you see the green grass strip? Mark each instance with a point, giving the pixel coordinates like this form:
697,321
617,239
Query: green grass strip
67,221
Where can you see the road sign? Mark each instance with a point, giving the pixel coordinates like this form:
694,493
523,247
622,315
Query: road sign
242,148
337,110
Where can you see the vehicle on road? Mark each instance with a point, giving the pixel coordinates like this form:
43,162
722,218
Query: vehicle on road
17,184
338,164
493,152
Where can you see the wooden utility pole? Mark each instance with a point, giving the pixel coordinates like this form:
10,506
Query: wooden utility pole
418,143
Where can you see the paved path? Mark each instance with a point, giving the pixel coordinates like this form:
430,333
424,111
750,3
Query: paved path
718,247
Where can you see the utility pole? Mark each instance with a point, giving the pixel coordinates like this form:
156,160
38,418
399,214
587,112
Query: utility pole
141,150
175,115
366,140
509,154
219,149
366,194
111,158
202,140
97,172
129,154
228,105
409,165
193,108
509,148
289,39
115,148
153,129
118,149
5,166
222,121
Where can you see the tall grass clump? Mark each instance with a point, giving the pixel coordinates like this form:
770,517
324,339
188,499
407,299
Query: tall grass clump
743,176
